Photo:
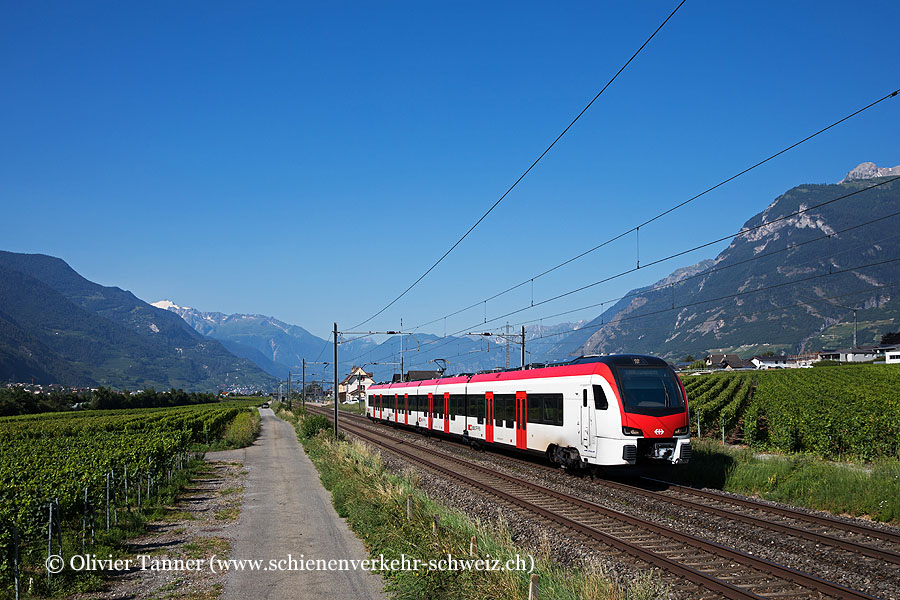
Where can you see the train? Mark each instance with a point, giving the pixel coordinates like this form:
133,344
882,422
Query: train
592,412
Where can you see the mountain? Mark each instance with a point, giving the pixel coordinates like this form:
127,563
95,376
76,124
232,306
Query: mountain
58,327
787,283
275,346
868,170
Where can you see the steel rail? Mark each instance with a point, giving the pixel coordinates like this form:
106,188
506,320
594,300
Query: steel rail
798,577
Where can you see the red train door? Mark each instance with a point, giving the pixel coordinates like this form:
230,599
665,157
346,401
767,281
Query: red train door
521,420
396,406
380,405
446,412
406,409
489,416
430,408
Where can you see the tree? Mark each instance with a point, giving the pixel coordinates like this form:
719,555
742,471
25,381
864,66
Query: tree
890,338
689,358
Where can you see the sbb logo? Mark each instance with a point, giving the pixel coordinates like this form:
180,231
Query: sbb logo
659,431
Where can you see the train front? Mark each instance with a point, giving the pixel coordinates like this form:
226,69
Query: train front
654,411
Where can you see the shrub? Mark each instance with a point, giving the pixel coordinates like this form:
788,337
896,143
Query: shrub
312,425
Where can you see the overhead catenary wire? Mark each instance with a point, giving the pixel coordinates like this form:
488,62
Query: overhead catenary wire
660,215
830,273
707,272
528,170
800,304
737,294
743,231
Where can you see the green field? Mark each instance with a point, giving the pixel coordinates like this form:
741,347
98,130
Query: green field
851,411
79,463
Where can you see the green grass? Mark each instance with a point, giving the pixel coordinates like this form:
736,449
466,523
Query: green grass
127,524
374,501
859,489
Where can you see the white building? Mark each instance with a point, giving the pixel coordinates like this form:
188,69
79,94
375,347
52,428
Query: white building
353,387
770,362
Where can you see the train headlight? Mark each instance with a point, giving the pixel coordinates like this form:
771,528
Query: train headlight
682,430
632,431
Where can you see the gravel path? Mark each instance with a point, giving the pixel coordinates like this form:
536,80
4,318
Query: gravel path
195,527
288,514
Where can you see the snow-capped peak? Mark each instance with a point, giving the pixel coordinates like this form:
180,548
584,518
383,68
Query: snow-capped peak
166,305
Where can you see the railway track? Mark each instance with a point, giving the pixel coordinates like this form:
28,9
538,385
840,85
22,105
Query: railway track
725,571
858,538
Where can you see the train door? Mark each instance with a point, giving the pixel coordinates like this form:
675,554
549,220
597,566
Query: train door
430,409
446,412
406,409
396,406
380,405
489,416
521,420
587,419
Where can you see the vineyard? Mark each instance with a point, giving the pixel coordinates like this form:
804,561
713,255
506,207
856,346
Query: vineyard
852,410
65,478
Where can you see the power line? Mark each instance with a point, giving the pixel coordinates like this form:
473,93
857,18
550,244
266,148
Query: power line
798,304
743,231
729,296
710,271
636,228
528,170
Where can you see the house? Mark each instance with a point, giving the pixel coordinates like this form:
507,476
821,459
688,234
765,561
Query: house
770,362
353,387
728,362
892,357
858,354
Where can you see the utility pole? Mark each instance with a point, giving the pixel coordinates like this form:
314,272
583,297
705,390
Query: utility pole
507,344
335,393
303,389
855,324
401,333
523,347
290,399
519,339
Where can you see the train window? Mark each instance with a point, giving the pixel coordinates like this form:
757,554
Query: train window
600,402
478,408
584,397
553,409
458,404
369,401
535,408
650,391
505,409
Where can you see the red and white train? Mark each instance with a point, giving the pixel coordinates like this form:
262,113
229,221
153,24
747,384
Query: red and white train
593,411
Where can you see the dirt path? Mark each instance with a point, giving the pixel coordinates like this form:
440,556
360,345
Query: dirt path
194,528
287,513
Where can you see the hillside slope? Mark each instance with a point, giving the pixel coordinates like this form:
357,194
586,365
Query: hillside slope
788,283
58,327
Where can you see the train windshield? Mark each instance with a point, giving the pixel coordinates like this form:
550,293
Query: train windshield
650,391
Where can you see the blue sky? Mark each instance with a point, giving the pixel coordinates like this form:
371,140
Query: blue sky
310,161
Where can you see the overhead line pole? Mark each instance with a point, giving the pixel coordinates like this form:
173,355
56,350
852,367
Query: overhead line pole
335,391
523,347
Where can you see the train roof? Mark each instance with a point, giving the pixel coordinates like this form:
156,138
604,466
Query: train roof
583,365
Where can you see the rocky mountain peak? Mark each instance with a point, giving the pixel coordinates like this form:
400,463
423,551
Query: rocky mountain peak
868,170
